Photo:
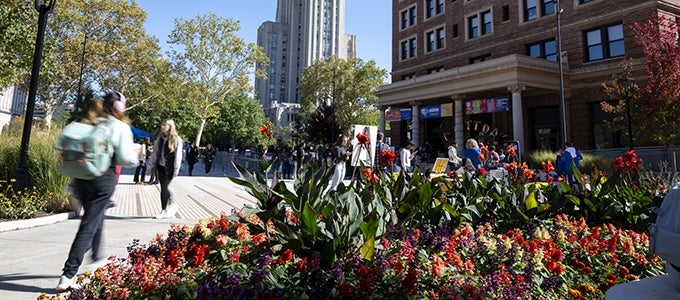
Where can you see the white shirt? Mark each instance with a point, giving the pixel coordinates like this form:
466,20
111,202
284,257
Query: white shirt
405,157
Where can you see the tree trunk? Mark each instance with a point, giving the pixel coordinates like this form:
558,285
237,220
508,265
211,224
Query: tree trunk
200,132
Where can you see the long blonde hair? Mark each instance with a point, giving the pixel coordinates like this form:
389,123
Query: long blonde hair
172,136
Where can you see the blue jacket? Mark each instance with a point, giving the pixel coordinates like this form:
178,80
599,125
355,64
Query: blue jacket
473,155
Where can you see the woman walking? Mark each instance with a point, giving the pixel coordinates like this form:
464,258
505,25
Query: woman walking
166,161
95,194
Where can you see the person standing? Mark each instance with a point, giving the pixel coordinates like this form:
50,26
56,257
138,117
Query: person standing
208,157
140,171
95,194
472,152
192,157
406,156
153,179
454,160
298,159
341,157
166,161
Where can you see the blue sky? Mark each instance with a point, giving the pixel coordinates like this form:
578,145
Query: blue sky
369,20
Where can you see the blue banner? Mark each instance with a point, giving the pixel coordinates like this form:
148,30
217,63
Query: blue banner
405,114
430,111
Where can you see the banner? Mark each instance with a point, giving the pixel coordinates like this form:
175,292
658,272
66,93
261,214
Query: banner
487,105
393,115
405,114
430,111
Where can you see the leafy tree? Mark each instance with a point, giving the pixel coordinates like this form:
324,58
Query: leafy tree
102,41
18,28
213,62
654,104
321,126
349,86
238,123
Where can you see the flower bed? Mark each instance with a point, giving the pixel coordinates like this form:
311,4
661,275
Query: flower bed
222,259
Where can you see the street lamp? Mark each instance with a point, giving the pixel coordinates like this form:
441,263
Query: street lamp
627,84
44,7
563,109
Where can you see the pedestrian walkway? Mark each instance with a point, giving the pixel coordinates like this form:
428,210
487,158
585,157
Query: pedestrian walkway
32,257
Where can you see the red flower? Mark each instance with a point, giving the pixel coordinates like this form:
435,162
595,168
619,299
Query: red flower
368,173
386,157
363,138
629,161
482,171
285,257
267,130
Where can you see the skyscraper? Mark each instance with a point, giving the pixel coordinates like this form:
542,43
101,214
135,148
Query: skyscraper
304,31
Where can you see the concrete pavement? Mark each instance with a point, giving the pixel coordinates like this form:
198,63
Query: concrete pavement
32,257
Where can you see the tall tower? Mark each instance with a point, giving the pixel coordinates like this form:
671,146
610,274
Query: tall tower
304,31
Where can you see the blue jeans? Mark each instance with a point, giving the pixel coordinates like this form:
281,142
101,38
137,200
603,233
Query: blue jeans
94,196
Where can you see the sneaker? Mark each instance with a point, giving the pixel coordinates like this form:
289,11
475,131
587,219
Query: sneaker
172,210
66,284
161,215
112,203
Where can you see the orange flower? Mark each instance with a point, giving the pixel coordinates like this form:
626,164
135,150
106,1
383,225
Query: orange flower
363,138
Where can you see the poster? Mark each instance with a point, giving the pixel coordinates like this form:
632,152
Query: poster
363,154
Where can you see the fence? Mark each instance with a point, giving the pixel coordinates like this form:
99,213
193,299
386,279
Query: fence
653,158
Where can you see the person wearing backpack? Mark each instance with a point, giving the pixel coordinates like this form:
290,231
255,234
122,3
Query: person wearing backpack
95,193
166,161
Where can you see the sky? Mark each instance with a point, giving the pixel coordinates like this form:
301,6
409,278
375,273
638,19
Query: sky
369,20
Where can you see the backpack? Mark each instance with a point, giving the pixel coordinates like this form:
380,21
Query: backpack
664,233
86,151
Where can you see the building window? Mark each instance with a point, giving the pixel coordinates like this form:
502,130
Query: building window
532,12
408,48
435,39
480,58
480,24
408,17
585,1
604,42
408,76
454,31
433,8
506,13
544,49
435,70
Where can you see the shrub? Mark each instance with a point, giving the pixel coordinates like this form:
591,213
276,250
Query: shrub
588,164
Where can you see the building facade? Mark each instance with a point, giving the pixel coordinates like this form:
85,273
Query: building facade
304,31
12,104
490,70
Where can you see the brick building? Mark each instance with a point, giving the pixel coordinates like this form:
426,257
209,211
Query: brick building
489,70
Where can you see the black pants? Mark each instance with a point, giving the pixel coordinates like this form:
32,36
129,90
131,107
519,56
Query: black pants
164,177
94,196
208,166
191,166
140,171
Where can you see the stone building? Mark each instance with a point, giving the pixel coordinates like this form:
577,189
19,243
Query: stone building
490,70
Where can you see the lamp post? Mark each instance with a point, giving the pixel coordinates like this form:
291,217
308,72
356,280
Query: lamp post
20,174
627,84
563,109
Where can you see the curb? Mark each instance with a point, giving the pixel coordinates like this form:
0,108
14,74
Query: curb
28,223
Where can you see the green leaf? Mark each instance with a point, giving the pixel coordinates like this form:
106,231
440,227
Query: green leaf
368,249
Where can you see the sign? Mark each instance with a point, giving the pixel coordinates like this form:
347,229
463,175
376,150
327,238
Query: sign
430,111
487,105
393,115
363,154
405,114
446,110
440,165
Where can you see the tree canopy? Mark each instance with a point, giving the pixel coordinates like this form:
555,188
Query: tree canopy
347,86
18,27
213,63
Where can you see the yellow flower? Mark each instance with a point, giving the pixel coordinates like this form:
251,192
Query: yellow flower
12,180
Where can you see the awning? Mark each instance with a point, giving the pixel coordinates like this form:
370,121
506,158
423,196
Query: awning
140,134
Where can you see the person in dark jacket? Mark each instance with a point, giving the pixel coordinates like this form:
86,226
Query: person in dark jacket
208,157
192,157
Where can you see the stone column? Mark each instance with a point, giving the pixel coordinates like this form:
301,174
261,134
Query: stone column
415,123
518,115
458,128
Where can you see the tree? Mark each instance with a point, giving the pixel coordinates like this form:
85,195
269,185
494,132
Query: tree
18,28
102,41
238,123
348,86
213,62
654,104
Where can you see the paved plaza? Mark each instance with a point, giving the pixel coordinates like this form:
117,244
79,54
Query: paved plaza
32,256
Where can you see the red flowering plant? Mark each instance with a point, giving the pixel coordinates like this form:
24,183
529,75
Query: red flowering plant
386,158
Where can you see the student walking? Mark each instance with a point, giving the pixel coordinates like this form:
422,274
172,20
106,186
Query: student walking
166,161
192,157
454,160
208,157
95,194
140,171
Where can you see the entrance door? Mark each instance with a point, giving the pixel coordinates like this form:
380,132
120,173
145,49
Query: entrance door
547,139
